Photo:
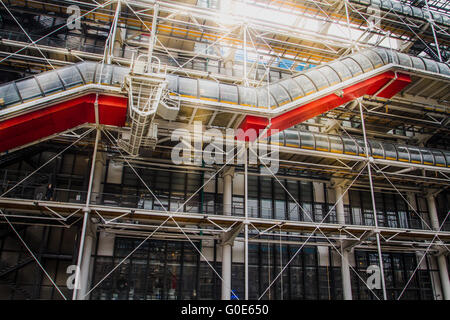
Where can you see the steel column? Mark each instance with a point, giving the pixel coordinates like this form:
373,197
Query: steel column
153,35
443,273
226,248
377,232
246,224
442,263
345,265
76,295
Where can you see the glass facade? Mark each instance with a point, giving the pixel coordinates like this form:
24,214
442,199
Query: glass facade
158,270
398,270
162,269
266,198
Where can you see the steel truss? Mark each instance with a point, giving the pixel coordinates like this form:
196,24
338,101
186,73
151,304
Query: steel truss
267,40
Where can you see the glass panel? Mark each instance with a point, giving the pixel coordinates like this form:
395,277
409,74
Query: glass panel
439,158
118,75
340,68
8,95
444,68
431,65
361,147
49,82
447,157
407,10
277,138
247,96
208,89
386,4
391,152
445,20
187,87
376,3
266,208
262,98
363,61
280,210
336,144
382,53
293,213
307,140
172,83
87,69
415,155
427,156
104,74
228,93
322,142
404,59
70,76
319,80
349,145
403,154
397,6
377,150
280,94
353,66
306,84
28,88
253,207
330,75
291,138
417,12
418,63
292,87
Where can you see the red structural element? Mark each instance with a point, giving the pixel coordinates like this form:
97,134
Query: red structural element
319,106
59,117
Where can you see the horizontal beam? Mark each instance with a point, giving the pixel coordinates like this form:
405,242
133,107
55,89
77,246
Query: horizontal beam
155,216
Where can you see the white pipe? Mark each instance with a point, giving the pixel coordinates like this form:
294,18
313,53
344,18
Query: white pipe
226,248
76,295
345,265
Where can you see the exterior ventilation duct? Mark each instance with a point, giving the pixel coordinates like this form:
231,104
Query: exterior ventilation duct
355,146
376,71
406,10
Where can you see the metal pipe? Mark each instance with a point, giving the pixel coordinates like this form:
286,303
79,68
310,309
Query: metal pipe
377,232
434,31
91,175
112,39
80,257
227,248
442,263
443,273
85,221
345,265
153,35
246,224
245,55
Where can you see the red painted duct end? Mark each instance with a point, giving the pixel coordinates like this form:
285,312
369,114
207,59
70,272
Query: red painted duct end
250,128
395,87
324,104
60,117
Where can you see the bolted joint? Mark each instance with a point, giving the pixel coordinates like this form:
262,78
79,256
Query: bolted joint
86,210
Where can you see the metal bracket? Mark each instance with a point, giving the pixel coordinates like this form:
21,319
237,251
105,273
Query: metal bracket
229,236
350,244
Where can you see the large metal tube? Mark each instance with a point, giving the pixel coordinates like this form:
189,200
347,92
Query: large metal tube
372,193
442,262
443,273
76,294
227,247
345,264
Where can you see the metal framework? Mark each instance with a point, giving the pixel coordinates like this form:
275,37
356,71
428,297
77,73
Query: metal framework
151,42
